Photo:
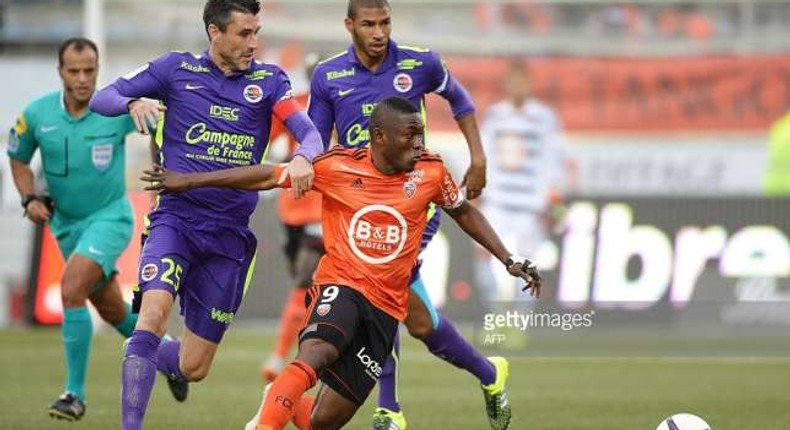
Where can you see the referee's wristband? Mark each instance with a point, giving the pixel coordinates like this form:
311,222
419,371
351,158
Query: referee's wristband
26,202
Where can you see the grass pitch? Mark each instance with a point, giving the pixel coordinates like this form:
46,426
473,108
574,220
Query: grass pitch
546,393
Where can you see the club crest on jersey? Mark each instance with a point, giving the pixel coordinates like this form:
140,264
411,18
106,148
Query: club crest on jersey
403,83
149,272
253,93
323,309
101,155
409,189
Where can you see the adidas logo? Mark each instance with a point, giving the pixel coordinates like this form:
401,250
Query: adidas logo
357,183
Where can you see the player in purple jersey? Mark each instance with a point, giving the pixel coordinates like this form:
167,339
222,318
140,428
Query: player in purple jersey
216,111
344,90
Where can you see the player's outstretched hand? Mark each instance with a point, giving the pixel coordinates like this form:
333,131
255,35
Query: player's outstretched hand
525,269
145,114
474,180
164,181
301,172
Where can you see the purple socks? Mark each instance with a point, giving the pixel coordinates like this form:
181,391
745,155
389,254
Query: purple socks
446,343
388,382
138,373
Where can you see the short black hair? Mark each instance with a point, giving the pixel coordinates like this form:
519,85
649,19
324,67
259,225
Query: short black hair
389,107
353,5
218,12
79,44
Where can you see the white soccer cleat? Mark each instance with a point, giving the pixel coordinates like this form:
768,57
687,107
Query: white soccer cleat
252,424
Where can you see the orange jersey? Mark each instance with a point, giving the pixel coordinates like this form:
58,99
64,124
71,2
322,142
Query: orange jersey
306,210
373,223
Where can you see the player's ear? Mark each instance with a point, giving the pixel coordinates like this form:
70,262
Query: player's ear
349,25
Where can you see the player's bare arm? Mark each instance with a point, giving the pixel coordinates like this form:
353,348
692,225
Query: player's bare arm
477,227
255,177
475,177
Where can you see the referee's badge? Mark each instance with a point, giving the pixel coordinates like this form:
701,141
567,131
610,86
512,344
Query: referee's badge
101,155
323,309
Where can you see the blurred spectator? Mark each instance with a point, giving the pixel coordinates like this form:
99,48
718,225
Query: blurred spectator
777,178
685,21
622,19
522,16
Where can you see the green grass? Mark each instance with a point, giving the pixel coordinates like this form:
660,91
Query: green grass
546,393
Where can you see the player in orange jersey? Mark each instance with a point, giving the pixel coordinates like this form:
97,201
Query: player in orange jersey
304,246
374,207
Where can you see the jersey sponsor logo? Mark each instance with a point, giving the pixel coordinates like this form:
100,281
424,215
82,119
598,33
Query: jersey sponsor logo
195,68
377,234
20,128
101,155
409,64
148,272
372,367
253,93
258,75
340,74
356,135
323,309
343,93
201,133
221,316
48,128
224,112
402,83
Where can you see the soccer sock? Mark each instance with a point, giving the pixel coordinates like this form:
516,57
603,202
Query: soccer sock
446,343
138,374
291,321
388,382
76,332
167,358
126,327
303,411
286,391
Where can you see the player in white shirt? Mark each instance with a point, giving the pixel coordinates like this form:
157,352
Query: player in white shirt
523,142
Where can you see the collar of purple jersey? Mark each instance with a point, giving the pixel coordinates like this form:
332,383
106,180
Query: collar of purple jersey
389,61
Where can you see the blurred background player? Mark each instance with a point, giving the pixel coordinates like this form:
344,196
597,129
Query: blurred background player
81,150
199,246
524,144
344,90
301,219
360,290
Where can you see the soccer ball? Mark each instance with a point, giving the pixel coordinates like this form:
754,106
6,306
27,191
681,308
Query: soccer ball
683,422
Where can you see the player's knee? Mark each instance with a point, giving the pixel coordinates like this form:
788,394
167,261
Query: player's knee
153,319
73,292
419,326
195,371
318,353
323,419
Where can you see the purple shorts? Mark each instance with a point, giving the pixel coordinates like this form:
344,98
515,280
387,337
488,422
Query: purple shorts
206,264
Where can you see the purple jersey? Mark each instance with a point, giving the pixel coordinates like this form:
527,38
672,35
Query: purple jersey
212,122
343,92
